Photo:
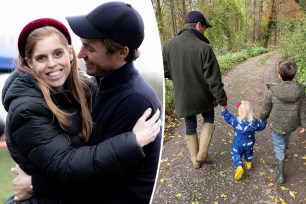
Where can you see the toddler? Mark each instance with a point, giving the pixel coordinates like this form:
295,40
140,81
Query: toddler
285,106
243,140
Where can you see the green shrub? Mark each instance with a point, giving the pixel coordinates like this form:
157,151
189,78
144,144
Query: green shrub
229,60
169,97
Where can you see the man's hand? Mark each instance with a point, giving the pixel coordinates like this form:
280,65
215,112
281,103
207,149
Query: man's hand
223,107
147,130
302,130
22,184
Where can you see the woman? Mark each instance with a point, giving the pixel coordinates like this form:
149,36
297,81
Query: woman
49,121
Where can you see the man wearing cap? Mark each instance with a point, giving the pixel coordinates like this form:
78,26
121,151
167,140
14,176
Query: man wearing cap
111,35
191,64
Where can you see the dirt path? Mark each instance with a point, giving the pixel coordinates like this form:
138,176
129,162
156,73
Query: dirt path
179,183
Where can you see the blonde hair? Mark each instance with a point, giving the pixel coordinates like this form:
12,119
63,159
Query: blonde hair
245,111
77,85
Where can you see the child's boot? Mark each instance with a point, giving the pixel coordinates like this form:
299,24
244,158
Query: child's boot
248,165
239,172
280,176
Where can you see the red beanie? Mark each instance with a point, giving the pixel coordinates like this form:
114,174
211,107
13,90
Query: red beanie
39,23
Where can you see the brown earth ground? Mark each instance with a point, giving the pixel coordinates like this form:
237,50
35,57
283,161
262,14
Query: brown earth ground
214,183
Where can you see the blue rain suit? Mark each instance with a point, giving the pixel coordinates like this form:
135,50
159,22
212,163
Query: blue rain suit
244,137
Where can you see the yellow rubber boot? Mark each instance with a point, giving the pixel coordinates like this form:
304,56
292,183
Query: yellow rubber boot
239,172
248,165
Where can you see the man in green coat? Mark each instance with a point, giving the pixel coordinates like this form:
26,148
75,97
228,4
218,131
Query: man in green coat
191,64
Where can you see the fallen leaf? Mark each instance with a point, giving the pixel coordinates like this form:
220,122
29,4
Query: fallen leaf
292,193
275,200
164,160
283,188
179,195
296,155
282,201
303,157
261,173
222,174
193,202
271,184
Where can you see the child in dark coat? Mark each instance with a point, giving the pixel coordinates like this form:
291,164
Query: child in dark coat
244,135
285,106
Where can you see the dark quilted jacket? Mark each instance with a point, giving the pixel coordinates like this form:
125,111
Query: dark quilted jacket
285,106
39,145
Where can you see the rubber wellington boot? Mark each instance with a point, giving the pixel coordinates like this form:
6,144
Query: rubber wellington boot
207,130
238,173
280,175
193,146
248,165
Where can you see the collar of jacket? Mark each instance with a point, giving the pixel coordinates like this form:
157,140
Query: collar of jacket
64,97
118,77
193,30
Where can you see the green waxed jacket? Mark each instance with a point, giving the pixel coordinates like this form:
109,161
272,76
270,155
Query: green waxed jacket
191,64
285,106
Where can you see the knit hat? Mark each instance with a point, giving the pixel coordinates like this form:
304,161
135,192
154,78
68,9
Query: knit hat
39,23
196,16
118,21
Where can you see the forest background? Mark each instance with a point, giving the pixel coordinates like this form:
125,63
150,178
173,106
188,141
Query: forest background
241,29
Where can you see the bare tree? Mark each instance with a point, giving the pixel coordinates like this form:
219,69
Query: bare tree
254,21
172,10
157,5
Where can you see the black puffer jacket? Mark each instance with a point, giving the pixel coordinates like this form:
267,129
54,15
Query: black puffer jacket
38,144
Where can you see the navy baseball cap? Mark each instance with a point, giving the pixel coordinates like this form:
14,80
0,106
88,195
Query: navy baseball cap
196,16
118,21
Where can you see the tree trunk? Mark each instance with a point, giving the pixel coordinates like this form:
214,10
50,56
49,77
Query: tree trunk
254,22
190,5
271,24
159,20
174,29
260,13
